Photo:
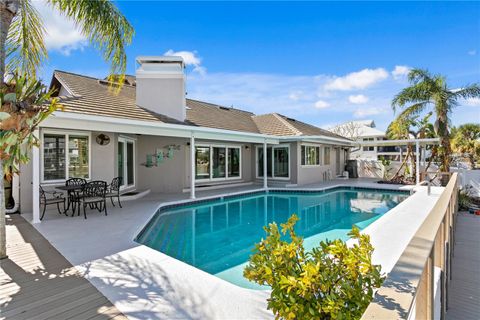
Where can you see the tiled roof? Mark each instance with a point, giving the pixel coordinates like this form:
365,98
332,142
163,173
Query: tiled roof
95,97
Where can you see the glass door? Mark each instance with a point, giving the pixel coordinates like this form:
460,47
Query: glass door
126,161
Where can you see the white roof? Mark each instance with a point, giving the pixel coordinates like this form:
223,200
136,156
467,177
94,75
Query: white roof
365,131
364,128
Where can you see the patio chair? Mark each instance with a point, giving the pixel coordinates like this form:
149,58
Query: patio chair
93,195
113,190
55,198
75,195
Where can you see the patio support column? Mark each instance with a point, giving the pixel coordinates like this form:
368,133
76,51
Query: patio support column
265,181
36,182
417,161
192,166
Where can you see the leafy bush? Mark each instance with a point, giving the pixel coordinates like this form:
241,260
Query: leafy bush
332,281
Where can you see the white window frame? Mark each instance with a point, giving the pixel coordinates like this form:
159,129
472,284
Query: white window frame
320,155
277,146
125,140
215,145
67,134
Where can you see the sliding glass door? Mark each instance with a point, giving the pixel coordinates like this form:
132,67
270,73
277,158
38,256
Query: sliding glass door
217,162
278,162
126,161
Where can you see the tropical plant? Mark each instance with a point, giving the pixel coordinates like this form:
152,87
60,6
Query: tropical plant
466,141
385,167
333,281
427,90
411,126
22,50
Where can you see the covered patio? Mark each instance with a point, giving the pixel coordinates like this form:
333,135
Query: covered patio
142,145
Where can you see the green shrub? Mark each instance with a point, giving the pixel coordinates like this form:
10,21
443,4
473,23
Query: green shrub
332,281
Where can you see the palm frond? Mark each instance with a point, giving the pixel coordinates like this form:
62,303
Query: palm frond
106,28
470,91
414,110
416,93
419,75
25,46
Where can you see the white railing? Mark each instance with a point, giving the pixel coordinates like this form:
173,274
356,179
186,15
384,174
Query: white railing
417,286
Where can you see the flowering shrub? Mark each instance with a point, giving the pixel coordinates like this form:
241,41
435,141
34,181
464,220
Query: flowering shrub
332,281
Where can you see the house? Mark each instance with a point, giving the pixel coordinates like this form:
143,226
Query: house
156,139
366,131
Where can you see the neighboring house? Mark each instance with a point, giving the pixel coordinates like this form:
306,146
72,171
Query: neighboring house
158,140
366,131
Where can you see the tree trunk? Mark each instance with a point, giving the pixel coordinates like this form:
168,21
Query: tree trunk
3,235
471,159
404,162
8,9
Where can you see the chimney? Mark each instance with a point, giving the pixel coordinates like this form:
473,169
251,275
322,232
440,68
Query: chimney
161,85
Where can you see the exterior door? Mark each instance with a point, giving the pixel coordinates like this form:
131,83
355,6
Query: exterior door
126,162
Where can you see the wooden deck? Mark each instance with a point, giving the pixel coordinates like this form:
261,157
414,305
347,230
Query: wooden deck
464,293
37,282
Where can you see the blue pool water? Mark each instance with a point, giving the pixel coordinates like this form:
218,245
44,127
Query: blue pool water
218,236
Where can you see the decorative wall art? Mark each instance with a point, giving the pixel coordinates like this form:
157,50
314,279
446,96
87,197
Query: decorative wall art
157,158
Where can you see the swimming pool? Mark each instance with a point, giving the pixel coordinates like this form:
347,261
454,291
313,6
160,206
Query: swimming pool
217,236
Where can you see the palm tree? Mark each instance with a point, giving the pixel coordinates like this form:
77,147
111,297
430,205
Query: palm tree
22,50
431,91
466,141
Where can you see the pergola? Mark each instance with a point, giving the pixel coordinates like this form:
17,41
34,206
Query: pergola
398,143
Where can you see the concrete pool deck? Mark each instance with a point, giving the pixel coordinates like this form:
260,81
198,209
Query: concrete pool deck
144,283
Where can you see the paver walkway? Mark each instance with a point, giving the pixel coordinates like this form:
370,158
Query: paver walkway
464,294
37,282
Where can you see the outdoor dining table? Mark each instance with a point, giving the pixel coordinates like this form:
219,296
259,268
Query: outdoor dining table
70,189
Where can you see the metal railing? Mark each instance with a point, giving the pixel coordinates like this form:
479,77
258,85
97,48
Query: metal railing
408,292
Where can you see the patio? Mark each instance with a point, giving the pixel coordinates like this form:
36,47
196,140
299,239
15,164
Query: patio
144,283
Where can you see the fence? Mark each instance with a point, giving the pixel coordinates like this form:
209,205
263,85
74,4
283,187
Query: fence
417,287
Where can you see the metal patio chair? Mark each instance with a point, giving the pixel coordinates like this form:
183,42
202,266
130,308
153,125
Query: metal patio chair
55,198
75,195
113,190
93,195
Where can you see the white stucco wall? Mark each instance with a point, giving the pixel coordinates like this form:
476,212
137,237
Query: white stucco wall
314,174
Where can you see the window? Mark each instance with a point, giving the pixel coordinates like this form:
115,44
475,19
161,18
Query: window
65,156
369,148
202,162
78,157
278,162
326,156
310,156
217,162
233,162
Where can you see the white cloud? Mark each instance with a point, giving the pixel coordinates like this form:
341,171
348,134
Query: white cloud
472,52
295,96
400,72
358,99
473,102
190,58
365,112
320,104
61,33
357,80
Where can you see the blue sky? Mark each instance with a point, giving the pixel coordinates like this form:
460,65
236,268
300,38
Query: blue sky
320,62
